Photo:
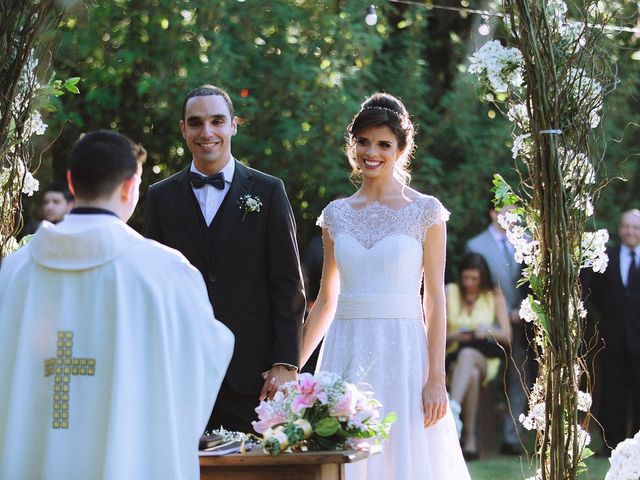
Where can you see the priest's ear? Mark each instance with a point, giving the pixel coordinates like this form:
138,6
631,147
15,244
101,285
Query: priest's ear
70,183
130,192
130,188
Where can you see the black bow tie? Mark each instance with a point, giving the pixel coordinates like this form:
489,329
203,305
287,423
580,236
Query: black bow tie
199,181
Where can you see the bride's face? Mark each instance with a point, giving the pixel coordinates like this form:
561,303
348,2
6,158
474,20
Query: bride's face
377,152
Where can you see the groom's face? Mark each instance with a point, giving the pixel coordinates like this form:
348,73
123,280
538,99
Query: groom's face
207,128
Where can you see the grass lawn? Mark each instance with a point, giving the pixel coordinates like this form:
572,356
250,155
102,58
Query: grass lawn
510,468
501,467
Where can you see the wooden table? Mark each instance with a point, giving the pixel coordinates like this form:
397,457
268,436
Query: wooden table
256,465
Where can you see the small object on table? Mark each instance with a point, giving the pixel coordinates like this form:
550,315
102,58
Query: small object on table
210,440
234,446
223,442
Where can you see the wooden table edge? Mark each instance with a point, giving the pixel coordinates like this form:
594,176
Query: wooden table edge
257,457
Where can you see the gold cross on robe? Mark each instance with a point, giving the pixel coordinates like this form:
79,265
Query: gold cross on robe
63,366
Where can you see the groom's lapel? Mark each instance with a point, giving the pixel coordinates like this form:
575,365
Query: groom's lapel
231,212
191,218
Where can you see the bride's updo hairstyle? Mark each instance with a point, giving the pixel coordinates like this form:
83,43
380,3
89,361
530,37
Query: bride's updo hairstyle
382,109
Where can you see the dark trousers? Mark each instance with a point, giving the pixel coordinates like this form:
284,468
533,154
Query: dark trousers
619,377
233,411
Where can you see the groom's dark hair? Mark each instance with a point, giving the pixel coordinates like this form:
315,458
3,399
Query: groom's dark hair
101,160
204,91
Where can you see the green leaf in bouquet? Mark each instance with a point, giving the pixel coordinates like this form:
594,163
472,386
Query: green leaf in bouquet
391,417
327,427
326,443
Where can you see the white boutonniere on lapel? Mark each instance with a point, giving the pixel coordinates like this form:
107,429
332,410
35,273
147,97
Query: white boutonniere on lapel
249,204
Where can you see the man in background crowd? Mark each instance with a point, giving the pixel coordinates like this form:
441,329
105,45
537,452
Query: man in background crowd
616,295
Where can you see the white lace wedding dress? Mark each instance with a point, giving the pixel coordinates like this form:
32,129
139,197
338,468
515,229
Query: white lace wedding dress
377,336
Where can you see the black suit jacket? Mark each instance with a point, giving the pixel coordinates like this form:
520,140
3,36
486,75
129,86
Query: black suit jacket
251,266
619,309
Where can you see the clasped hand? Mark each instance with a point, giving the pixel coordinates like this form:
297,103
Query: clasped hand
274,379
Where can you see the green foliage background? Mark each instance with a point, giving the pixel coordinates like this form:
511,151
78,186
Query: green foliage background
306,66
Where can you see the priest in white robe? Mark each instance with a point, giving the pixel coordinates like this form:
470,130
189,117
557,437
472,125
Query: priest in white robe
110,356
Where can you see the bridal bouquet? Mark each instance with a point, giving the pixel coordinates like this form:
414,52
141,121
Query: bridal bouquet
321,412
625,460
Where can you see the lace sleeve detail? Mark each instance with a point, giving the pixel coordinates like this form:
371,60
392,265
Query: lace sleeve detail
327,220
371,224
433,212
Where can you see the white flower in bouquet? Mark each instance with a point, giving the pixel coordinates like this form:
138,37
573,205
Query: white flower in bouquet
27,84
570,31
576,168
19,175
556,10
577,171
526,312
581,311
508,218
594,253
273,412
573,33
587,93
526,252
583,202
34,125
521,146
519,115
30,184
535,419
625,460
584,439
501,67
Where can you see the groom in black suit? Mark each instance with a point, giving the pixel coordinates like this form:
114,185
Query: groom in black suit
616,294
236,226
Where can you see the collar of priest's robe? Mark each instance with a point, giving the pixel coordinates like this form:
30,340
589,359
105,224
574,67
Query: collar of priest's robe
92,210
82,242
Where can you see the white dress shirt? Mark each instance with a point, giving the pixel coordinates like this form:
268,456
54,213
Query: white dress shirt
210,198
625,262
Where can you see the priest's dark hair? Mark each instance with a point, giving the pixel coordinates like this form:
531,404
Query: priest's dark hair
102,160
204,91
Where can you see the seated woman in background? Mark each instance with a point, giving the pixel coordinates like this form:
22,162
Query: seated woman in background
477,328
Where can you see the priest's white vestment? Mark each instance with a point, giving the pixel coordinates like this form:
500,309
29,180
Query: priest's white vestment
110,356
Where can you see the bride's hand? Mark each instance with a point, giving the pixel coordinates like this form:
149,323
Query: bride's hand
434,401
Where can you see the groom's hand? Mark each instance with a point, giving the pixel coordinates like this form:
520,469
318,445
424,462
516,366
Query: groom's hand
274,378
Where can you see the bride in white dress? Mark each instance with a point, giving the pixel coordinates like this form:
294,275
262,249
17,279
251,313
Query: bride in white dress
380,245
